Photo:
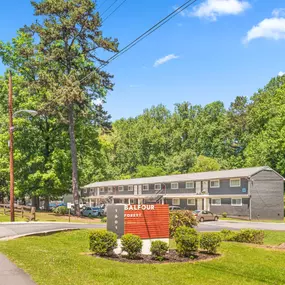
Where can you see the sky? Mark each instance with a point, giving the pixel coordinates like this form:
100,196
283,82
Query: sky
214,50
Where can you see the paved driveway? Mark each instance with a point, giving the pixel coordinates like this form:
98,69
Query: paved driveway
235,225
8,230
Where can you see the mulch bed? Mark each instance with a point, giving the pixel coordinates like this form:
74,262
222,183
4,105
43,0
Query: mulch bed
170,257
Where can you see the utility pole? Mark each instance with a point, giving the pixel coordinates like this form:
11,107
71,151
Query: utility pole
11,129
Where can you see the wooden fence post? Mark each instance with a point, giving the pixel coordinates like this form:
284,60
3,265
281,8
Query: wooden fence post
22,212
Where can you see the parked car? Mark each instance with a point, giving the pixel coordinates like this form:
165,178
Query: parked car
174,208
202,215
91,212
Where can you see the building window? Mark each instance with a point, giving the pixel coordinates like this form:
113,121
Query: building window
157,186
191,202
132,201
236,202
175,202
216,202
190,185
85,190
145,187
121,188
174,185
215,183
235,182
110,189
130,188
102,189
91,191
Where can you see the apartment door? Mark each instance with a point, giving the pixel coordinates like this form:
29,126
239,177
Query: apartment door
198,187
140,190
205,187
135,189
199,204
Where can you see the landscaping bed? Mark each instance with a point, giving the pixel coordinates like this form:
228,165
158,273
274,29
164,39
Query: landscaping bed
170,257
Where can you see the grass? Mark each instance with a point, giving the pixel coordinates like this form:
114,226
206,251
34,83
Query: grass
59,259
49,217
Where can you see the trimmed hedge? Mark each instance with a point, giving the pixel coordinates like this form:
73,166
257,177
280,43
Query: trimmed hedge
246,236
181,218
61,210
187,241
132,244
159,249
102,242
210,242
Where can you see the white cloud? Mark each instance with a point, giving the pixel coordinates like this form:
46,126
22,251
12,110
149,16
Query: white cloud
211,9
280,12
165,59
281,73
272,28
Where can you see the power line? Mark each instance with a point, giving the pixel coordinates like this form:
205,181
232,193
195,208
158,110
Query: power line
145,34
118,7
102,4
106,10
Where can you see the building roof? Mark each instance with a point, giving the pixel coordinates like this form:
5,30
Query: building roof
233,173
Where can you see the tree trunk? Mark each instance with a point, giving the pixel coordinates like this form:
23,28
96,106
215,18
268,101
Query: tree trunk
46,204
73,150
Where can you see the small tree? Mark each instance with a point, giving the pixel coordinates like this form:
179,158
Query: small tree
210,242
181,218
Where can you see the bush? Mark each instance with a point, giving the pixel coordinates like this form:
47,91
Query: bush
210,242
224,214
132,244
61,210
104,220
181,218
247,236
159,249
250,236
103,242
187,241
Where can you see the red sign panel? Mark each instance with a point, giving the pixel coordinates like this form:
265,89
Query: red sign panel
147,221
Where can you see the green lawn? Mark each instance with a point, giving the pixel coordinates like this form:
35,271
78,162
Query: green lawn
49,217
58,259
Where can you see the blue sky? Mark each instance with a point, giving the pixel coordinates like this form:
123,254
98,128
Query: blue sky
217,50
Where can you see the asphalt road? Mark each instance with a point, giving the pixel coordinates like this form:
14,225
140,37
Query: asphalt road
8,230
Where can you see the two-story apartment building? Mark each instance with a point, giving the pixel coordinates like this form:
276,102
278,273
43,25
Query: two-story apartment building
255,193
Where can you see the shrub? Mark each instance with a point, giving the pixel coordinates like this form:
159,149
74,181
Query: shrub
159,249
103,242
181,218
132,244
250,236
210,241
187,241
228,235
61,210
104,220
224,214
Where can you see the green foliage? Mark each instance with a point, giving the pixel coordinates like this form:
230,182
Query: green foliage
159,249
104,220
149,171
247,236
224,214
132,244
187,241
205,164
181,218
102,242
210,242
61,210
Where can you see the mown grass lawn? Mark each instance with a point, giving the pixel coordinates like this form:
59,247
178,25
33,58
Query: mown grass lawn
49,217
58,259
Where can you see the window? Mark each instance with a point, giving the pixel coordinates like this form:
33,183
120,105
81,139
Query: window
110,189
175,202
145,187
236,202
121,188
235,182
92,190
85,190
157,186
130,188
102,189
216,202
215,183
174,185
190,202
190,185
